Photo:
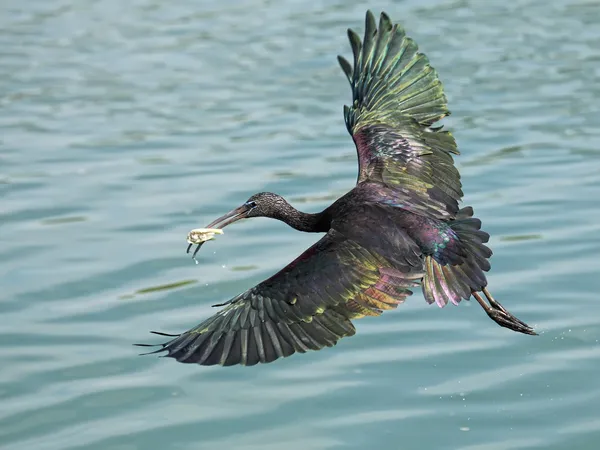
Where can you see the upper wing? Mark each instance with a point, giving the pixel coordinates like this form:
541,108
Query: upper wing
306,306
397,96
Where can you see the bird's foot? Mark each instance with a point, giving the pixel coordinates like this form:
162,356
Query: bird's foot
507,320
501,316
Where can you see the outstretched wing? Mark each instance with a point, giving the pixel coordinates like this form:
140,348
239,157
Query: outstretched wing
397,96
306,306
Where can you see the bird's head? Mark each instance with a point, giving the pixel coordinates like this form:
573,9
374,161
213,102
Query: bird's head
263,204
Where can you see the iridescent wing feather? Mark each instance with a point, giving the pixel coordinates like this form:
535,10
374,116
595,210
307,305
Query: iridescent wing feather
306,306
397,97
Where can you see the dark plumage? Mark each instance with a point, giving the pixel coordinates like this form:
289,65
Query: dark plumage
399,228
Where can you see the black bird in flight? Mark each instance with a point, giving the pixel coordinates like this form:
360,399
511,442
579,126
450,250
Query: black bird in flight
400,227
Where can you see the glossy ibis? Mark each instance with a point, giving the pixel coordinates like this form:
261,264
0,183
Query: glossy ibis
400,227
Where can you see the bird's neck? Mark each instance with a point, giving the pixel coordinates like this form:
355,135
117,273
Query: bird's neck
301,221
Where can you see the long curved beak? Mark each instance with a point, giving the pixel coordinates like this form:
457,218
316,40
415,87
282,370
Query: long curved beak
227,219
231,217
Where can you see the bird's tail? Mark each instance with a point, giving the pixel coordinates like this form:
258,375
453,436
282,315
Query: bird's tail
446,282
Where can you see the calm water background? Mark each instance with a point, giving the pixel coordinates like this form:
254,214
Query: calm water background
125,124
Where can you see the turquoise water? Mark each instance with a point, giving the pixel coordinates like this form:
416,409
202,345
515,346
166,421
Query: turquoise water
125,124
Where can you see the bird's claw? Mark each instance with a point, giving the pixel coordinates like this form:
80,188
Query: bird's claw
505,319
500,315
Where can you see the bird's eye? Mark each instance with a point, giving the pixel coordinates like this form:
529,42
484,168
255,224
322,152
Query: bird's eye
251,204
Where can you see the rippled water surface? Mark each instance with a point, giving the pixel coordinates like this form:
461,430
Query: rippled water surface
125,124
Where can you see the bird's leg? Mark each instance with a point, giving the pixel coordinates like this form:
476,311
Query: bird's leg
500,315
495,304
